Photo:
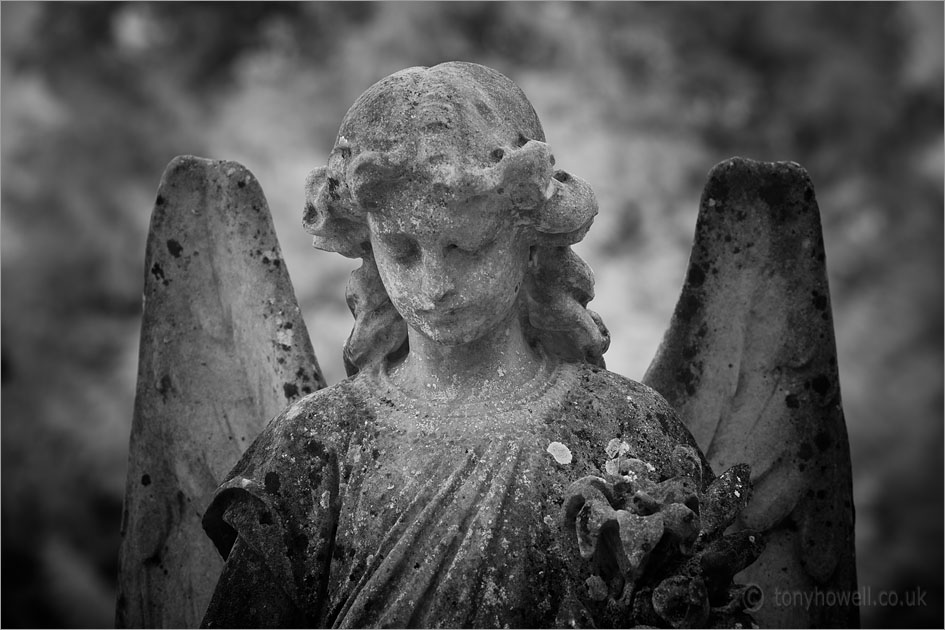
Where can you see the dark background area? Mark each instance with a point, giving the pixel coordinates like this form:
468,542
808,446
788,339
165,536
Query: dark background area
641,100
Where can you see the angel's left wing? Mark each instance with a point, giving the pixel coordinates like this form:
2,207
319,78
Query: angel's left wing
749,362
223,349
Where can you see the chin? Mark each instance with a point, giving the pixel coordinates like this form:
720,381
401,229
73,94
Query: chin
451,338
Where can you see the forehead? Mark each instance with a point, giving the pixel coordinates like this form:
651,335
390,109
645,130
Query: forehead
475,106
473,218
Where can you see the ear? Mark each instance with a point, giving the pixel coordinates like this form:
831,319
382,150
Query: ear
524,175
570,210
325,217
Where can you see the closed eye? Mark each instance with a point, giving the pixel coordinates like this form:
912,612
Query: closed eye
469,248
453,247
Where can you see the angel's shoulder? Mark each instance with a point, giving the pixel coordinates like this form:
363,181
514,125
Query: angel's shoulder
634,411
632,398
330,410
313,426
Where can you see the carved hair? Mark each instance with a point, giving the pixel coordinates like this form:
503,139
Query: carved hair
461,131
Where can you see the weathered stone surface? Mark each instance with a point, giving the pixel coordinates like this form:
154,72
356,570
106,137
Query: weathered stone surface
749,361
444,155
223,349
654,541
436,485
426,489
372,508
727,497
682,602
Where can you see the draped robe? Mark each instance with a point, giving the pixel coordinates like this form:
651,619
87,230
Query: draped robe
360,506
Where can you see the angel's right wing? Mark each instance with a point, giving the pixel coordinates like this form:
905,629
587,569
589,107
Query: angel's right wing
749,362
223,349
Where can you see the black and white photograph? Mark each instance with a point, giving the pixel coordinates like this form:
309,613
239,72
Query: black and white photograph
472,314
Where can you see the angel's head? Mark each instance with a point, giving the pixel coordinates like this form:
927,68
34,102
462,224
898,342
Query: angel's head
441,181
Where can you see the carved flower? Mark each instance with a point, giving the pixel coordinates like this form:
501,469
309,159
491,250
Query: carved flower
657,548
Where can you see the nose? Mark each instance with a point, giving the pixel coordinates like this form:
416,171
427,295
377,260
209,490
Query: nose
436,282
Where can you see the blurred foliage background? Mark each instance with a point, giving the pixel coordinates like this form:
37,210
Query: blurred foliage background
641,100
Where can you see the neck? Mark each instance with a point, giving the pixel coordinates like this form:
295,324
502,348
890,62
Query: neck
496,365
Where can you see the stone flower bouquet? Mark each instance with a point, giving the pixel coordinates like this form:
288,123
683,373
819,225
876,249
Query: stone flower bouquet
658,550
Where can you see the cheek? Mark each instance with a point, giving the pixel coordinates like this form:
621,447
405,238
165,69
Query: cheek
401,290
501,280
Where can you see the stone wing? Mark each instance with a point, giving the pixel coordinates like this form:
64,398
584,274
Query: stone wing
223,349
749,361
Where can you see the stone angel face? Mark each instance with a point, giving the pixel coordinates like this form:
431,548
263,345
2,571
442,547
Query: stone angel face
452,276
441,181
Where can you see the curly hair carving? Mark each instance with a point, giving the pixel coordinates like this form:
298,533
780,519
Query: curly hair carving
394,134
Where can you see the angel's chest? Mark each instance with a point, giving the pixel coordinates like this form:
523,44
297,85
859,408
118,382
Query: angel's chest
420,516
393,480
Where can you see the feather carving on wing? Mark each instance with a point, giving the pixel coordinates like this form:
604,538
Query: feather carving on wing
223,349
749,361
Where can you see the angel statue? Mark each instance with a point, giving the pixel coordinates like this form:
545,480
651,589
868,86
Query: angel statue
480,466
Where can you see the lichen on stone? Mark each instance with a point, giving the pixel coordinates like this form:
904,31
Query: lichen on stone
560,452
656,549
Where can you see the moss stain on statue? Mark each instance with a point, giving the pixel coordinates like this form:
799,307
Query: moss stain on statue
480,467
